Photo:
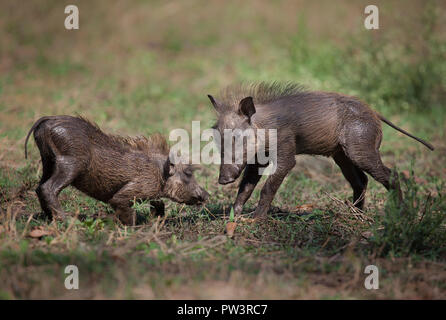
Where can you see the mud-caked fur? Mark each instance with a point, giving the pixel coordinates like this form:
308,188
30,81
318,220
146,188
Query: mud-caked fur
315,123
110,168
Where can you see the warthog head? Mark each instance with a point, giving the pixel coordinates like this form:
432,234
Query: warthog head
233,124
181,185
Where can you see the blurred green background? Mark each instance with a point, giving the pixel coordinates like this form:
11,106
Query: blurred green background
144,66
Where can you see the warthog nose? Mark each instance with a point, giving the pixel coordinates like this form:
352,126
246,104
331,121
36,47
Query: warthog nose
225,180
228,174
221,179
204,196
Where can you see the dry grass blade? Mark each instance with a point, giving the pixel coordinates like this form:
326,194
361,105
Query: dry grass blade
203,245
27,224
305,208
141,236
357,213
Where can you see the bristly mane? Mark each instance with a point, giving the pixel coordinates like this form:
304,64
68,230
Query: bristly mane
261,92
155,143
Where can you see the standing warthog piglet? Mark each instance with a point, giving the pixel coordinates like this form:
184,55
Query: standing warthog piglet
110,168
316,123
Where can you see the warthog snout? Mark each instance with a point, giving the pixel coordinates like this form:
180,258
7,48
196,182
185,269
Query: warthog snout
197,197
202,196
228,174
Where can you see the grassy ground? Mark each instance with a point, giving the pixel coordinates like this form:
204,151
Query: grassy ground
138,67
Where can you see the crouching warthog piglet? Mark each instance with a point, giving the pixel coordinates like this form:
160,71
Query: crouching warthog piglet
316,123
110,168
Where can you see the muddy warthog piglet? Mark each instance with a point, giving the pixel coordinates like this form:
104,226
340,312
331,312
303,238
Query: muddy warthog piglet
109,168
315,123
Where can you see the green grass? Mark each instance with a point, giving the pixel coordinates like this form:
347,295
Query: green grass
147,66
415,226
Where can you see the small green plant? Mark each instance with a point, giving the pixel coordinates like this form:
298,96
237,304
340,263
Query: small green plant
142,207
231,215
415,226
92,226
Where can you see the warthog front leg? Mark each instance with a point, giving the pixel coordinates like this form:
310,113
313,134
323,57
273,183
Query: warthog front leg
272,184
122,200
126,215
121,203
249,181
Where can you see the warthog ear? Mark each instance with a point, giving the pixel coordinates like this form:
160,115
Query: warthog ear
247,107
214,103
169,167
